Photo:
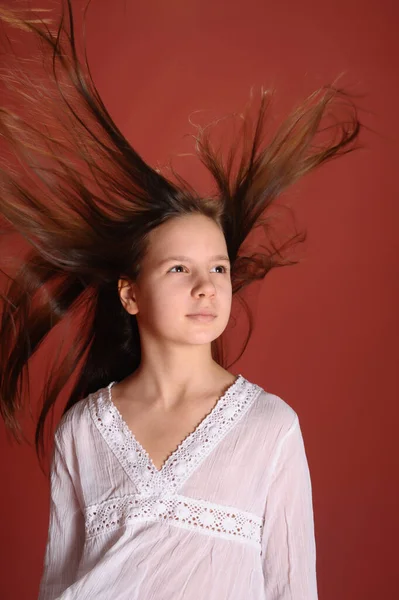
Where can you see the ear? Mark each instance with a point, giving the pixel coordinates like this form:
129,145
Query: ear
127,295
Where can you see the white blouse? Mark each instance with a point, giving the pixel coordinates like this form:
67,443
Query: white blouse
228,517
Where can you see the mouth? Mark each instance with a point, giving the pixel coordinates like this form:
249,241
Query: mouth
202,317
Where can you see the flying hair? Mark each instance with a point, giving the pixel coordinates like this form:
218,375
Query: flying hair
84,202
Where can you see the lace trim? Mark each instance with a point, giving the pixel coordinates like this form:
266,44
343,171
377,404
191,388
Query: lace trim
197,515
149,481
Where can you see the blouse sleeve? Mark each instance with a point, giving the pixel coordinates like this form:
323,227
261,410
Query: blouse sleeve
288,544
66,530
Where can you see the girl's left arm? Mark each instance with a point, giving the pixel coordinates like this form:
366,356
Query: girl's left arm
288,544
66,528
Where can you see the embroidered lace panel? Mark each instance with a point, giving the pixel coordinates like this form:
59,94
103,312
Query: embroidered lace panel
204,517
150,481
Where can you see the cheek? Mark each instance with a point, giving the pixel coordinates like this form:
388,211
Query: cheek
224,290
160,302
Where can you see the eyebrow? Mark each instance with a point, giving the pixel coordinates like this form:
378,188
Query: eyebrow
221,257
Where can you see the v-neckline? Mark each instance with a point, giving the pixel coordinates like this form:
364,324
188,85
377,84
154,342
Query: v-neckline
185,442
189,454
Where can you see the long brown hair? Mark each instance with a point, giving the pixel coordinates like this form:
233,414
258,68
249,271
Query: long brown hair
77,192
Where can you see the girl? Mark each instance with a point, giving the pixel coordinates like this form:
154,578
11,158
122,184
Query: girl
171,477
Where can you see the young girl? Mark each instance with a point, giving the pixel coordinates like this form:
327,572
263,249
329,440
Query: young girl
171,478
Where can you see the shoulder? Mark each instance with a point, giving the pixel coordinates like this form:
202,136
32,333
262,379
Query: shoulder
78,418
270,416
271,407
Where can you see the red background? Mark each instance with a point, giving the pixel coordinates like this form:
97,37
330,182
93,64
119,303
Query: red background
326,330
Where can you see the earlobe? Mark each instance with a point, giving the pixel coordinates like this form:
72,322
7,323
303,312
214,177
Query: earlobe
127,296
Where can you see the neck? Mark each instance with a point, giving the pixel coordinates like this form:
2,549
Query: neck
174,374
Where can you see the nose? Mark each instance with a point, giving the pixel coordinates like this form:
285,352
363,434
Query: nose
203,287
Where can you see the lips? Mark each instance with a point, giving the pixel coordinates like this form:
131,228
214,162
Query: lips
203,316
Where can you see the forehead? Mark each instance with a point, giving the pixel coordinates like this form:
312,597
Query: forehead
192,234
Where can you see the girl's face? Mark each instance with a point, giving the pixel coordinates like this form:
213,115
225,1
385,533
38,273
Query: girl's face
183,292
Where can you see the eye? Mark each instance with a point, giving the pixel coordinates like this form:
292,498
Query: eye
178,269
220,269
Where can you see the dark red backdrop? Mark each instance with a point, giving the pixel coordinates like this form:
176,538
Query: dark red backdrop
327,330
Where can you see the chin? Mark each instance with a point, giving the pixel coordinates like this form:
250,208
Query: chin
200,334
204,337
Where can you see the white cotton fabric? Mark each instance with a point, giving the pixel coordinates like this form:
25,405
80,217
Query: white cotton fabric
228,517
